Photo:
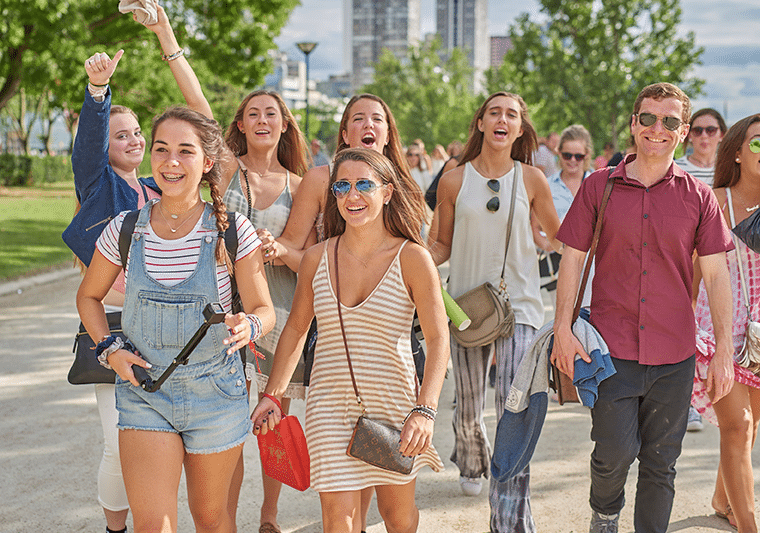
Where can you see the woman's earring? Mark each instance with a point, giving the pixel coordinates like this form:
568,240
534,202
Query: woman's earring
738,160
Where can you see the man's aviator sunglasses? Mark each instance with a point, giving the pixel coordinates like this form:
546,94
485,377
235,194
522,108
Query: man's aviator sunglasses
649,119
341,188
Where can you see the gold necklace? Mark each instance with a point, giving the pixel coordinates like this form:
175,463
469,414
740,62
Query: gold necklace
379,247
161,212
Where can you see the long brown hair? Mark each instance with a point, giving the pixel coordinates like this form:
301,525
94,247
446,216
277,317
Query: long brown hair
522,148
402,216
292,152
727,170
212,143
392,150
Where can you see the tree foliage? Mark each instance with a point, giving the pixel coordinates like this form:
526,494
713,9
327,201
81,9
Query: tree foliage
45,44
430,97
590,58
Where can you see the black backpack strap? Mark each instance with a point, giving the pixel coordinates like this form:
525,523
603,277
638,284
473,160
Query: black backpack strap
231,236
125,237
231,243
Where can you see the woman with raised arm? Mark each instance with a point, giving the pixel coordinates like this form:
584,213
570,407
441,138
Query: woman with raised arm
737,188
198,420
376,268
108,149
470,230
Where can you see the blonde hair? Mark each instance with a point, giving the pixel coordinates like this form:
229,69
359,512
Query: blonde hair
576,132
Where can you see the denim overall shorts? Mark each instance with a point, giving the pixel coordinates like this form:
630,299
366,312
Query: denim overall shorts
205,401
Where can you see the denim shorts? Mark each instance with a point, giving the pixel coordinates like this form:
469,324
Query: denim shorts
205,403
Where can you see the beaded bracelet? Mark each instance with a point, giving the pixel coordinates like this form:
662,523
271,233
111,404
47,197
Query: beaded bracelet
424,410
256,329
429,408
427,413
179,53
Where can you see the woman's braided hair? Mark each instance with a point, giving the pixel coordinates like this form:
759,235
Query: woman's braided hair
212,143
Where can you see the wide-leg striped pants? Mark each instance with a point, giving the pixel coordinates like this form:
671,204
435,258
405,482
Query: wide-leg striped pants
510,501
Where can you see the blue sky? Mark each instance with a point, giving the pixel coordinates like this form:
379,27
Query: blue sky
729,30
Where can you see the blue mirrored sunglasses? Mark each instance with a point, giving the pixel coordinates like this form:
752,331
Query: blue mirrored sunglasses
341,188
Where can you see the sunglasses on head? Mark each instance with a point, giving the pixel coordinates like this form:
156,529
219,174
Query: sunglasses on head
649,119
567,156
493,204
754,146
699,130
341,188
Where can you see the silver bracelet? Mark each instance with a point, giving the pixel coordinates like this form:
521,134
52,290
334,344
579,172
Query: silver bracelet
118,344
179,53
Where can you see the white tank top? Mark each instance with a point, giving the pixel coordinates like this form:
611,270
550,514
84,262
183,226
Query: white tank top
479,240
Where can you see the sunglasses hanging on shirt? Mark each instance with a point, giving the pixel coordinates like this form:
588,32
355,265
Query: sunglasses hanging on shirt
493,204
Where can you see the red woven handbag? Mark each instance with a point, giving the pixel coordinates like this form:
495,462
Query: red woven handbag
284,455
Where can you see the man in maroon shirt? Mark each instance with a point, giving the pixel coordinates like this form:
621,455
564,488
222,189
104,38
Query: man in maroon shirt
656,218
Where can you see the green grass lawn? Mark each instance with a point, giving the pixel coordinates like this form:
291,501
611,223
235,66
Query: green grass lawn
31,223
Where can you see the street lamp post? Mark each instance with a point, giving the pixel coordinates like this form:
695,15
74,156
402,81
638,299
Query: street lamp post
307,48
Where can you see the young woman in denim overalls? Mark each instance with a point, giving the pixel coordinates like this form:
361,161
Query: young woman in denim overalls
177,264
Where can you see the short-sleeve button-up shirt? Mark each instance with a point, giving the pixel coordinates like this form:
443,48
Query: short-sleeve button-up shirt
641,299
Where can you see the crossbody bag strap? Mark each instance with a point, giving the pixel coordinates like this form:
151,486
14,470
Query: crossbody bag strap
592,251
342,328
738,256
516,177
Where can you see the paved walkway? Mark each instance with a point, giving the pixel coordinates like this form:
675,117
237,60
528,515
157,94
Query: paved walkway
50,446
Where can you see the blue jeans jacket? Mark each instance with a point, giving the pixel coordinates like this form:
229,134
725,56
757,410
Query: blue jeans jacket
101,193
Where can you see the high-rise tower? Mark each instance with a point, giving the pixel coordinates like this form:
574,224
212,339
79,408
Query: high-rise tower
370,26
464,24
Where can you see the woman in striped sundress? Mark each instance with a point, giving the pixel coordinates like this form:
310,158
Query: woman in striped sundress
385,273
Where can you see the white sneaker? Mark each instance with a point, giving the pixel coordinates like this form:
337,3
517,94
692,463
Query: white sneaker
470,486
695,420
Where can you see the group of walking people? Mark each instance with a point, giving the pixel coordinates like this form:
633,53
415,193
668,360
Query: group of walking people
343,243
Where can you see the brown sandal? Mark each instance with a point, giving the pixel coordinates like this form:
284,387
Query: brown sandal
268,527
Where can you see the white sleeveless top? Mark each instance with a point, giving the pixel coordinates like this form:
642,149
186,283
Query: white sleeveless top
479,240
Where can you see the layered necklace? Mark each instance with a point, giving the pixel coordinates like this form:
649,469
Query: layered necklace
161,210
